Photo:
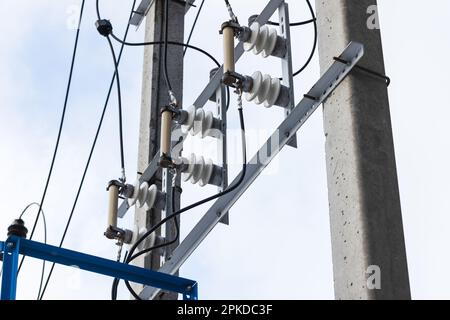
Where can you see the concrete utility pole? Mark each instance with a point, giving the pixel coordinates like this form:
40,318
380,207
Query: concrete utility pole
369,256
154,96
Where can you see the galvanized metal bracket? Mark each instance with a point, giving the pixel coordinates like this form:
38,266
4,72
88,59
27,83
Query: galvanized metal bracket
286,63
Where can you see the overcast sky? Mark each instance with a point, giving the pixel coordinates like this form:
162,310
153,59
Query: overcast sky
278,243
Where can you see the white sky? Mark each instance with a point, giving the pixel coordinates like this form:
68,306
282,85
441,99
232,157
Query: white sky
278,243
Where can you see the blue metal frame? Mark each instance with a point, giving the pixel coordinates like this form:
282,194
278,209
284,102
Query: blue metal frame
15,246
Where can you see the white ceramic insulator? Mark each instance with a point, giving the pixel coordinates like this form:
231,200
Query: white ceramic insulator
262,40
189,122
265,90
144,196
203,123
198,121
198,170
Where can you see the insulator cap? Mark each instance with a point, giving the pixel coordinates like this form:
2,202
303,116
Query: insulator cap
265,90
265,41
17,228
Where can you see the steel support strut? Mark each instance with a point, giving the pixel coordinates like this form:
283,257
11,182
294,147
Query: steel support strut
15,246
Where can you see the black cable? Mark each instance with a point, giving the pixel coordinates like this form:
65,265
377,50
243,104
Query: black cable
293,24
115,284
165,50
131,257
119,97
313,15
228,98
231,12
94,143
45,241
139,44
61,124
193,26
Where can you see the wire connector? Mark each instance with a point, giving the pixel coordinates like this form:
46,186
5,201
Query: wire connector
104,27
230,12
173,99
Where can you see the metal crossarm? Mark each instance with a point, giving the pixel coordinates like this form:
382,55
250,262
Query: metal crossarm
15,246
288,128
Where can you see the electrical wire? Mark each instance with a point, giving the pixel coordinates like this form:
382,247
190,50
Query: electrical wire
88,162
45,240
194,25
165,49
175,43
61,125
293,24
139,44
314,20
119,96
231,12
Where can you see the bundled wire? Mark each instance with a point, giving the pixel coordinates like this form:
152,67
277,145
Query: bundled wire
313,50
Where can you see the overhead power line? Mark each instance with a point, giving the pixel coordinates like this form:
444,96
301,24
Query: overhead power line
94,143
193,26
61,124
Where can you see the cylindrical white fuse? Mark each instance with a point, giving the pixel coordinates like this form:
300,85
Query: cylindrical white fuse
113,195
166,134
228,47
